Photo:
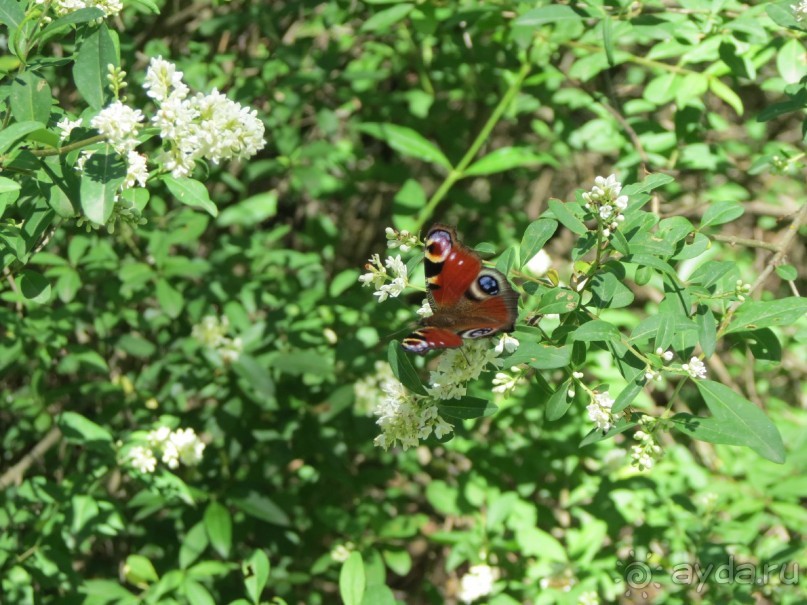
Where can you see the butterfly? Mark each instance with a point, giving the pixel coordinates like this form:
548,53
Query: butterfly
467,299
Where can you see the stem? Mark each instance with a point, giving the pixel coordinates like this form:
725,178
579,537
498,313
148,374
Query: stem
43,153
459,172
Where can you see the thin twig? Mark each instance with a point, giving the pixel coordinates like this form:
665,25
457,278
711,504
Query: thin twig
744,241
14,475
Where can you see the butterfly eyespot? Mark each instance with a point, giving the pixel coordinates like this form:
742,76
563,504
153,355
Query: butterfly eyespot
438,246
488,284
477,333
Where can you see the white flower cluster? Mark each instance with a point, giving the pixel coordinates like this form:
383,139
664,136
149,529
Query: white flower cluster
66,125
654,375
599,411
695,368
504,382
400,239
800,10
645,454
211,333
457,367
341,552
588,598
179,446
606,203
210,127
64,7
377,276
406,418
120,124
368,390
477,583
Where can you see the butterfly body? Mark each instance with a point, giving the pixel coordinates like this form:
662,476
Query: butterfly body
468,300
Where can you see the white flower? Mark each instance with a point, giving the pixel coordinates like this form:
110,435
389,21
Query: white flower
63,7
403,239
397,267
189,448
506,343
606,212
456,367
425,309
85,155
341,552
541,262
142,459
210,332
230,349
163,80
800,10
119,123
505,382
136,170
599,411
695,368
477,583
66,125
621,202
158,437
376,273
390,290
588,598
577,375
406,418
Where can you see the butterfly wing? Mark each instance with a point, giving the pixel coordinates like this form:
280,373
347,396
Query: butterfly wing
430,338
450,267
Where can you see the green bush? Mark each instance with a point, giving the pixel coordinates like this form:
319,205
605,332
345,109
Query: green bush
194,385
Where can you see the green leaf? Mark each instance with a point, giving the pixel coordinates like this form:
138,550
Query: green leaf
735,421
261,507
782,14
787,272
540,356
547,14
82,15
609,291
102,176
35,286
139,571
628,394
467,408
378,594
193,545
596,330
11,14
13,133
537,234
566,217
403,369
90,69
78,429
191,193
721,212
257,376
219,526
351,580
504,159
558,404
383,20
251,212
757,314
648,184
30,97
790,61
256,575
197,593
707,329
558,300
407,142
724,92
170,299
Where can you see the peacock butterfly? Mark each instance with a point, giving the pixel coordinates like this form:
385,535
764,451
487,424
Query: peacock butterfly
467,299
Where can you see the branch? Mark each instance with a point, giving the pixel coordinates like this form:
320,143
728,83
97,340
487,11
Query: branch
14,475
